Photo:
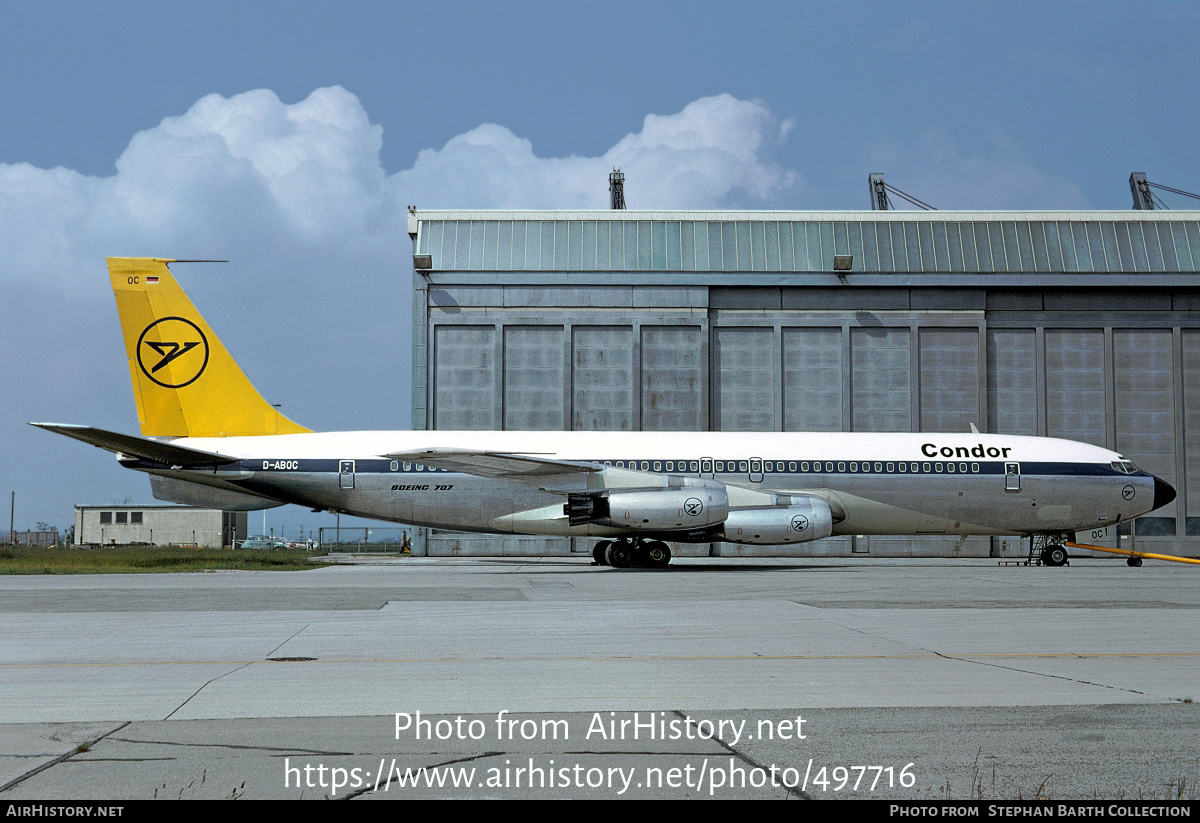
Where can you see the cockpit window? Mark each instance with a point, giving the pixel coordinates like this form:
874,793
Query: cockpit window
1129,467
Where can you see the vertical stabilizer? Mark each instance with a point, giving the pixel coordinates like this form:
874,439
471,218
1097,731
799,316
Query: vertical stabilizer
184,381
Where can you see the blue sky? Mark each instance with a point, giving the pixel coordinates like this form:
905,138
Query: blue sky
288,137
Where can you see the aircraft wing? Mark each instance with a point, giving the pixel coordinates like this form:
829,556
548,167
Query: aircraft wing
527,469
129,445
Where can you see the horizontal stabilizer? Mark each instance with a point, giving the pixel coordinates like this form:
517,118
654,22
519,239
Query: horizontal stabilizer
208,497
138,447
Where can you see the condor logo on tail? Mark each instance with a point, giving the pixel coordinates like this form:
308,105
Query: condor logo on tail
172,341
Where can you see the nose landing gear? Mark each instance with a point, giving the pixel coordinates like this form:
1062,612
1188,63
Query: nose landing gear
1048,550
625,553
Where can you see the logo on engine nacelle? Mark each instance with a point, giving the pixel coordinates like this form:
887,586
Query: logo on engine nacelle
799,522
693,506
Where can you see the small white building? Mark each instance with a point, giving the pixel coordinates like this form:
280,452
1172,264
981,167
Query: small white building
125,525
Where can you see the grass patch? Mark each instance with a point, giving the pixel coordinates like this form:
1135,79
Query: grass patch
147,560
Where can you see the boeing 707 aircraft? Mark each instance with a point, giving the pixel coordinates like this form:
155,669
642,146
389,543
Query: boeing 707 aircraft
208,438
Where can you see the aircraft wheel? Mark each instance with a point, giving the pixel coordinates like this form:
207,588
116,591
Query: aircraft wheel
619,555
598,552
1134,561
658,554
1055,556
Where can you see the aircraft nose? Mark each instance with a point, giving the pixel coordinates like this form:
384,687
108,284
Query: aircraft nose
1164,493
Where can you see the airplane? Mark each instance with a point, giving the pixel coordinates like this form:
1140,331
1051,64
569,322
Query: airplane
208,438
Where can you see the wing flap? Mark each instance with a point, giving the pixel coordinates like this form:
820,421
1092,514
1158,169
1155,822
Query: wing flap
139,447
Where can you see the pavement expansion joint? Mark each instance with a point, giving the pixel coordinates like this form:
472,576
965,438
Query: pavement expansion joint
207,684
792,790
1037,674
60,759
432,766
232,746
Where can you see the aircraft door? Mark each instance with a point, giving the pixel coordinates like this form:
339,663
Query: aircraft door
1012,477
756,470
346,474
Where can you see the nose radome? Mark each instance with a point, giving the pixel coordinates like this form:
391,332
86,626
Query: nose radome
1164,493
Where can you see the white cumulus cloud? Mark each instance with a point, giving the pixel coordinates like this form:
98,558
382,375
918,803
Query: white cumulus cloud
300,187
714,153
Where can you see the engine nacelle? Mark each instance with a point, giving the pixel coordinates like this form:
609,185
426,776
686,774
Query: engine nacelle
697,504
803,520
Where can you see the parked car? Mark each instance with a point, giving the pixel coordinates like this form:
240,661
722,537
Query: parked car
262,542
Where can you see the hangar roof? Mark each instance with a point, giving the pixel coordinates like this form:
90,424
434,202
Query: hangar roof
752,241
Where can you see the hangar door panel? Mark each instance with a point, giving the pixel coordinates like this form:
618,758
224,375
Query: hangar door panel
1012,381
1075,402
1191,425
672,378
1144,396
533,378
949,369
602,381
742,366
880,378
465,378
812,379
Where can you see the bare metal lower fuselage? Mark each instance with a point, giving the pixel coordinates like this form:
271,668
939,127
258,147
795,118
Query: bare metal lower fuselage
1046,491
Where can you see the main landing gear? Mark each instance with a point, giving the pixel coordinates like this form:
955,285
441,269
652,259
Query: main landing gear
621,554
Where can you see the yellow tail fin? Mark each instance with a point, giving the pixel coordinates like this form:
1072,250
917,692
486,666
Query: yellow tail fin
184,381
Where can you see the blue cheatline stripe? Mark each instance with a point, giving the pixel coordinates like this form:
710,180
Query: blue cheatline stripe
840,468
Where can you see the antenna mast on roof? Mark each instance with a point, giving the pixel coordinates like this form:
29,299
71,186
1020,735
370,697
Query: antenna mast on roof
616,189
1143,198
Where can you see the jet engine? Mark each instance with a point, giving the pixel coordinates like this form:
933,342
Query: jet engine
804,519
695,504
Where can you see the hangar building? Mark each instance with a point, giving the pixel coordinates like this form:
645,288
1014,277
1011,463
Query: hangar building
1083,325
